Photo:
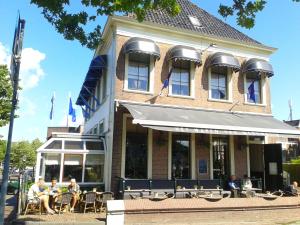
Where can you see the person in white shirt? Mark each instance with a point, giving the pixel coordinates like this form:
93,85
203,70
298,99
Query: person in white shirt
247,184
37,191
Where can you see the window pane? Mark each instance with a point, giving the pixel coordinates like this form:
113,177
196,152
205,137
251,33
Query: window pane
94,167
133,68
136,151
52,166
257,89
72,167
180,81
220,157
74,145
138,72
54,145
181,156
93,145
218,85
185,90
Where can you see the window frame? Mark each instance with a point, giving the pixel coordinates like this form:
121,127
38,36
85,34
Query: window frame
263,80
151,76
229,76
191,82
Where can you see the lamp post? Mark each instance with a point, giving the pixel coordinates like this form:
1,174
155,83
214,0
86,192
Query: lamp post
15,69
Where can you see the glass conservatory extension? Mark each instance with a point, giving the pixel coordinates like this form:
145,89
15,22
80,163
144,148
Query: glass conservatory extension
68,155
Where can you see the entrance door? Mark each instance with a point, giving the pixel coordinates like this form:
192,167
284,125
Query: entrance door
273,166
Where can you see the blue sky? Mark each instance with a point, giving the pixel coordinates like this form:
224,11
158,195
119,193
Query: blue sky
55,64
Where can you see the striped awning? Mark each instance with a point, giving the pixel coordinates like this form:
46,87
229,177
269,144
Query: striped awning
258,66
223,59
180,52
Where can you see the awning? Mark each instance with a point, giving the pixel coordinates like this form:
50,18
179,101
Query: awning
180,52
223,59
94,73
142,45
207,121
258,66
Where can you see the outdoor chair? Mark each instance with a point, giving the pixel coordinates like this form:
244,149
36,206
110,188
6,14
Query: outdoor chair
34,205
89,199
105,196
64,200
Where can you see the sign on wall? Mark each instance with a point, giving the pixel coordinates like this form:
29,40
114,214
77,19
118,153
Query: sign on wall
202,166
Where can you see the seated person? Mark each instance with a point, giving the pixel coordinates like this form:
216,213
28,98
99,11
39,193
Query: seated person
247,184
37,190
295,190
233,187
75,190
54,191
232,183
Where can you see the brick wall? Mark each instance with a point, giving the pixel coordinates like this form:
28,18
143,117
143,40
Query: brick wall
240,156
160,155
202,153
201,85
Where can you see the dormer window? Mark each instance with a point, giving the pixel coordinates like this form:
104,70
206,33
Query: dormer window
140,55
138,72
180,78
219,83
195,21
182,61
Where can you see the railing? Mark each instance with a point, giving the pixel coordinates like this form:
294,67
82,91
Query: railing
164,184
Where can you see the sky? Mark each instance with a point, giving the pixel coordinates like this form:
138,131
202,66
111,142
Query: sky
52,64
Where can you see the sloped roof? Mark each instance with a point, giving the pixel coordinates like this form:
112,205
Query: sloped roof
210,25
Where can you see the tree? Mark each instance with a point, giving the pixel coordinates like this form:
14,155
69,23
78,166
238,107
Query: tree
2,149
6,92
72,25
24,153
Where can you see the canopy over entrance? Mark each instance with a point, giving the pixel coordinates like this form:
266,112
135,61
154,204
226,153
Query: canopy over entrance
207,121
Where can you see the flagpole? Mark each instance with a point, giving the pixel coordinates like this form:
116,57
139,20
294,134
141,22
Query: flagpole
68,109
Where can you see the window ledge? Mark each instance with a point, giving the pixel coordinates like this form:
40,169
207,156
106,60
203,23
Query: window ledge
253,104
181,96
137,91
219,100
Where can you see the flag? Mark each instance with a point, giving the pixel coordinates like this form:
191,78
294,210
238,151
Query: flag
85,113
94,97
251,92
73,115
166,82
52,105
70,107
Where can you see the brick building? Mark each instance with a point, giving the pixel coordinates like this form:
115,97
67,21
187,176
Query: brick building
213,117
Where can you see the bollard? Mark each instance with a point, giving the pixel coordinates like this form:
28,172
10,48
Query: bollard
115,212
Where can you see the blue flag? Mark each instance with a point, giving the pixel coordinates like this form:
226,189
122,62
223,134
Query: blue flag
85,113
70,107
52,105
251,92
166,82
73,116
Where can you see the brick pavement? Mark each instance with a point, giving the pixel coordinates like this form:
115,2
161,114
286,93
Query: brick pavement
256,217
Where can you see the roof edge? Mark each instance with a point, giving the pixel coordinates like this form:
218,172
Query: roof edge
123,19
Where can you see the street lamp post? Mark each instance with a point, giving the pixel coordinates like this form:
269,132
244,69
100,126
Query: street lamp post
15,69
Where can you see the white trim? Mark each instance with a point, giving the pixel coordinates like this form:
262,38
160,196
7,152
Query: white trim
169,155
62,158
193,157
83,167
150,81
211,163
123,154
163,34
248,156
229,84
263,92
231,155
149,155
192,82
38,166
